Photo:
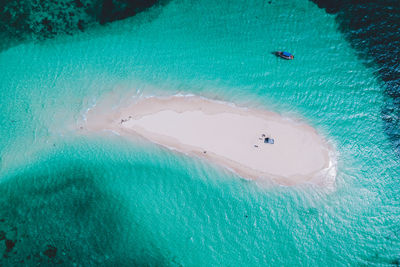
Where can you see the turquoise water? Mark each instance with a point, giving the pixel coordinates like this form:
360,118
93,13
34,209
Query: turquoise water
104,200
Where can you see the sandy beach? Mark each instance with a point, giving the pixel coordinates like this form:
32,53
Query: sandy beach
255,144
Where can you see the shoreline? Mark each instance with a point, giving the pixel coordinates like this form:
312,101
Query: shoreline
231,136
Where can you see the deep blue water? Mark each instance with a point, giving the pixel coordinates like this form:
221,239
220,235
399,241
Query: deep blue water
373,30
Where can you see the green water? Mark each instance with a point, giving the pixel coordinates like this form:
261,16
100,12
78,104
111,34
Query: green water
107,201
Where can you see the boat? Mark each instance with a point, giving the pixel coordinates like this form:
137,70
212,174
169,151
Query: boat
284,54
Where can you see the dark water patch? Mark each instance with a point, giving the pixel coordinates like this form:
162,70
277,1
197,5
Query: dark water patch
66,212
50,252
119,9
42,19
9,245
372,28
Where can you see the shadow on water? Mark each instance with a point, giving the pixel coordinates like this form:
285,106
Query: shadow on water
26,20
372,28
64,213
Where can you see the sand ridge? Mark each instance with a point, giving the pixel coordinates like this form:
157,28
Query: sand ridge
231,136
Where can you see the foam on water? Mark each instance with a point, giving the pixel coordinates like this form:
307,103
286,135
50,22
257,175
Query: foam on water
104,200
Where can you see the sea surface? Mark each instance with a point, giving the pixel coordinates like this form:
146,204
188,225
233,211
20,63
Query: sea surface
76,200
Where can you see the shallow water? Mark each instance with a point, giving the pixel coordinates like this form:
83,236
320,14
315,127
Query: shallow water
104,200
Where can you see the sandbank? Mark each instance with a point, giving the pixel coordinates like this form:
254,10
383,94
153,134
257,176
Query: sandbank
231,136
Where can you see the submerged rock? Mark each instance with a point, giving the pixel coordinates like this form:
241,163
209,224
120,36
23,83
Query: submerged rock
119,9
2,235
50,252
42,19
10,245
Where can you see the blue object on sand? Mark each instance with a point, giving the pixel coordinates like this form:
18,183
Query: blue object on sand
268,140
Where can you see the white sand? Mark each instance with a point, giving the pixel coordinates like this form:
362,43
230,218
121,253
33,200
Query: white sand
228,135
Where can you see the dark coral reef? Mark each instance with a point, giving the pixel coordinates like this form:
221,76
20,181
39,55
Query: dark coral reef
43,19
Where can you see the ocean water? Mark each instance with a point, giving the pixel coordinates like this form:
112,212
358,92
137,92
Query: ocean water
80,200
372,29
